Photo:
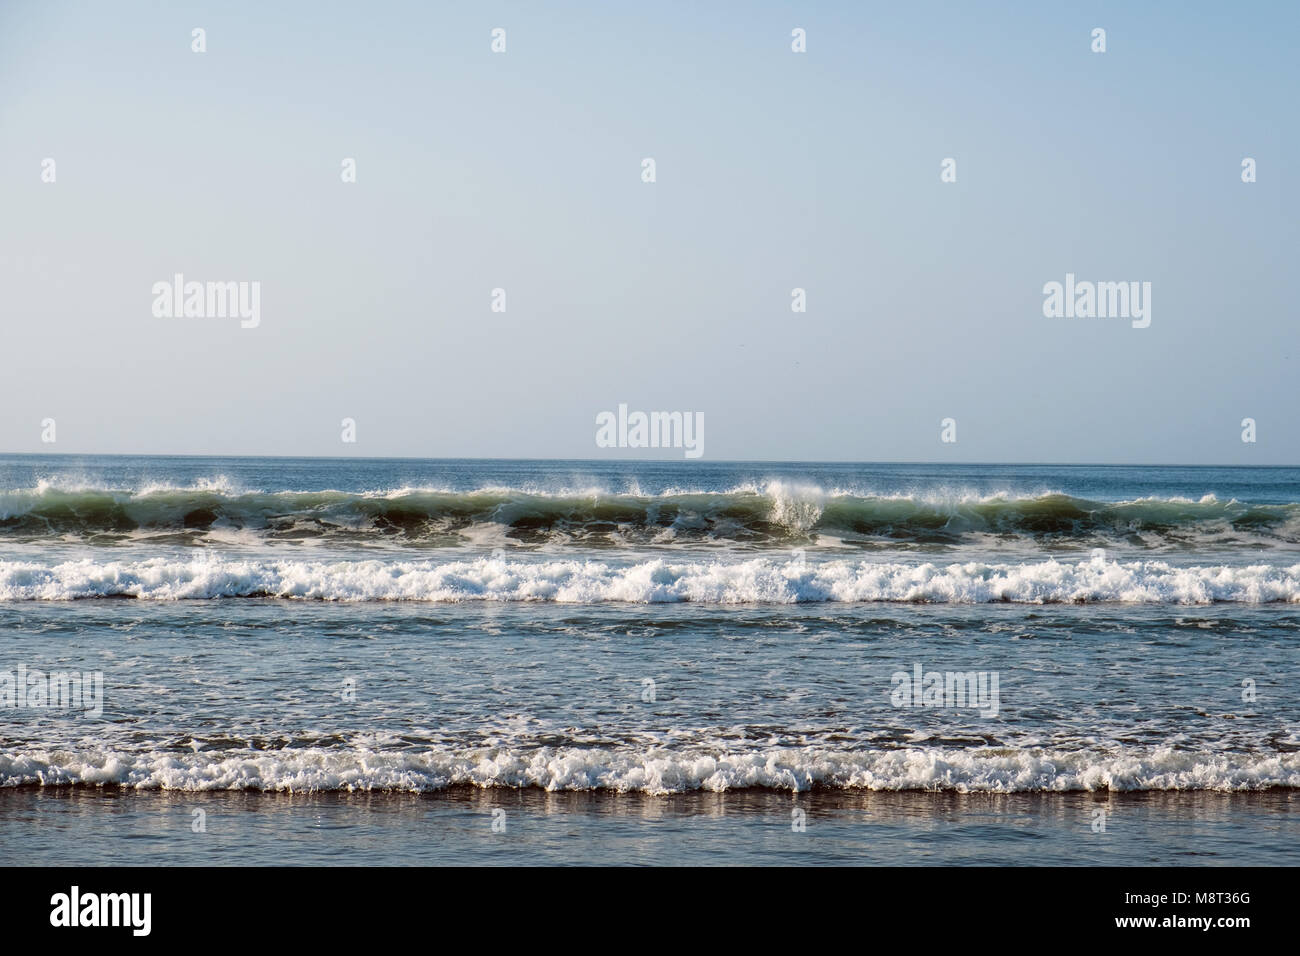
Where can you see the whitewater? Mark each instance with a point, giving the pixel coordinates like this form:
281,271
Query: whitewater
316,626
658,580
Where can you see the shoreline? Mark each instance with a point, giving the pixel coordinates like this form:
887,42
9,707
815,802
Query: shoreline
100,826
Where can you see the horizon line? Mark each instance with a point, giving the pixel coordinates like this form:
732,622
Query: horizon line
614,461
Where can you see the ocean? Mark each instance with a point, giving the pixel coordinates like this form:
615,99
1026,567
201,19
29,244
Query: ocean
257,660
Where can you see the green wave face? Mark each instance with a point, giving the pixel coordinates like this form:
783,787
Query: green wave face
761,518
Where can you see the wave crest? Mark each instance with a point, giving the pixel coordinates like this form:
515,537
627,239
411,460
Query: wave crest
656,771
778,515
760,580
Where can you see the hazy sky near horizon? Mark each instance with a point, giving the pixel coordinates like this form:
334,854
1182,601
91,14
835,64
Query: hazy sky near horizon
522,170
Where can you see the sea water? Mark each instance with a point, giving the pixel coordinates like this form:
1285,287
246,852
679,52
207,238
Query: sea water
345,660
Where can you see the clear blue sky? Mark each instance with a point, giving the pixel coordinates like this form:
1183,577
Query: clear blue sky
775,170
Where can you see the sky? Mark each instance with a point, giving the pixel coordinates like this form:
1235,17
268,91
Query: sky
774,170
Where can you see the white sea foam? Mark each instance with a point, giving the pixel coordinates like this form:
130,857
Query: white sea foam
796,507
655,771
764,580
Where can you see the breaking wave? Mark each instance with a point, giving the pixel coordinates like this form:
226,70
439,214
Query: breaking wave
763,580
655,771
776,514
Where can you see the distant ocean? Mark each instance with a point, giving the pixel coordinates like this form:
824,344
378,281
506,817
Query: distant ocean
517,661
